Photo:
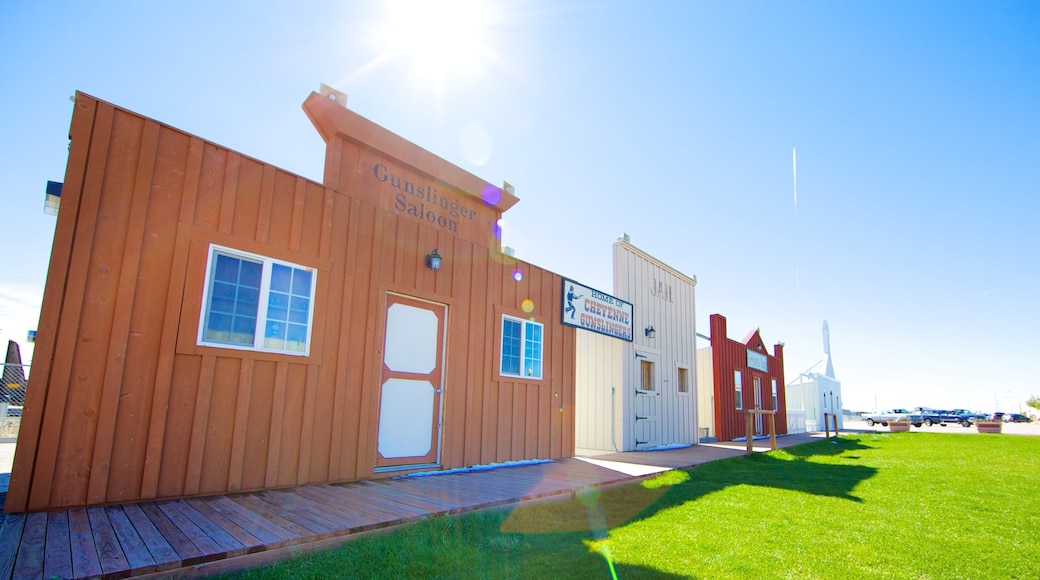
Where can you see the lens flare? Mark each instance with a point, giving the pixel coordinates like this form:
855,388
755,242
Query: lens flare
476,143
518,274
527,305
497,229
491,194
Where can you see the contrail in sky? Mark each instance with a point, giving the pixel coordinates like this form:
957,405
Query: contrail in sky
794,169
794,166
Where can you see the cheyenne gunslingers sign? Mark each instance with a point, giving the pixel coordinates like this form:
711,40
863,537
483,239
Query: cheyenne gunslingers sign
593,310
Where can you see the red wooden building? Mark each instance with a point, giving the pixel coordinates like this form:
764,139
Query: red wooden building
744,376
212,323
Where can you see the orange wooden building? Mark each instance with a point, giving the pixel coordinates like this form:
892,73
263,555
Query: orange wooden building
212,323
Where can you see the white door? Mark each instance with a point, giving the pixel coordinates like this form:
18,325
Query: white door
411,383
647,402
758,405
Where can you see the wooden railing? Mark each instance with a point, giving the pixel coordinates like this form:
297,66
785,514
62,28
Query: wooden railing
827,424
749,414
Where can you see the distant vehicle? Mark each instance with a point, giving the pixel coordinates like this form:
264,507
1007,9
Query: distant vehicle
1016,418
931,416
884,417
962,417
965,417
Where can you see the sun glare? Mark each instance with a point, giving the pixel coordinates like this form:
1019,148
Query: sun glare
440,38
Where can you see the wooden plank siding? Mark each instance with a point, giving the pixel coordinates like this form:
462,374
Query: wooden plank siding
662,298
124,405
730,355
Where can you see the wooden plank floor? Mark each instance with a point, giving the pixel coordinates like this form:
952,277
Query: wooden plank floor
208,535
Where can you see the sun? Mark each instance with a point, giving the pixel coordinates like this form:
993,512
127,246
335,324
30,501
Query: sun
441,39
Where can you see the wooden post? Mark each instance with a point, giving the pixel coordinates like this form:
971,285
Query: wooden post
772,430
749,415
827,424
749,430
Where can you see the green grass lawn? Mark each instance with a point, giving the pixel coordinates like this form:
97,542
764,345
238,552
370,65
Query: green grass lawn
878,505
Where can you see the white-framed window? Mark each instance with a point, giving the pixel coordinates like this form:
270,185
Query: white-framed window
684,380
774,396
252,302
738,388
521,348
647,381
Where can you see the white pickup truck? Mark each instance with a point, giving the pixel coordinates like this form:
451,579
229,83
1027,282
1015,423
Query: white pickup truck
883,417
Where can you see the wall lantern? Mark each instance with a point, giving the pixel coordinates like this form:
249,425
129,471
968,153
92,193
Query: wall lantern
433,260
649,331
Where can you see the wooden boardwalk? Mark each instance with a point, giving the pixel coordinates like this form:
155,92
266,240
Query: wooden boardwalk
210,535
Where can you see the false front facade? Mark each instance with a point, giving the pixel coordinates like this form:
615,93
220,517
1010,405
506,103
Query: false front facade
212,323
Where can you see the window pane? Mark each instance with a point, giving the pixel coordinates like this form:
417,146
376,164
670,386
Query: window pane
218,327
277,307
274,335
243,330
533,350
301,283
248,301
299,310
296,338
223,291
234,297
646,371
289,305
533,369
251,274
274,329
278,300
281,278
510,347
226,269
738,388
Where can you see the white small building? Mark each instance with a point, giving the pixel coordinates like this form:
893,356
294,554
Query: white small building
640,394
813,393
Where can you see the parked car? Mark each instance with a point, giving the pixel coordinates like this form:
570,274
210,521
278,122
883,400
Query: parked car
931,416
962,417
965,417
1017,418
885,416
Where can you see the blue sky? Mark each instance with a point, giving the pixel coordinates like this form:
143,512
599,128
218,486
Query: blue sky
915,123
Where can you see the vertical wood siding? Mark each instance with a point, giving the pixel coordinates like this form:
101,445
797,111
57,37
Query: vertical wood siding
728,356
123,405
705,393
600,389
663,298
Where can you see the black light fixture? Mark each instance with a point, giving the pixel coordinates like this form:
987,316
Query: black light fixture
649,331
433,260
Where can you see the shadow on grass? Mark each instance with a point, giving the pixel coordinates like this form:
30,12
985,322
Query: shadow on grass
615,506
564,539
832,446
